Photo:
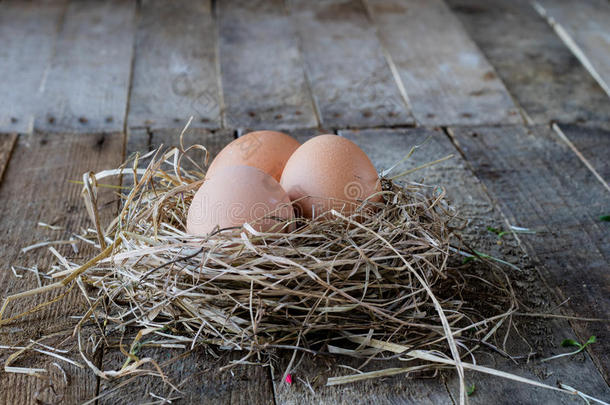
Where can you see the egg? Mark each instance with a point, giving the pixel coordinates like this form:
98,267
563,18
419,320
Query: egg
266,150
329,172
235,195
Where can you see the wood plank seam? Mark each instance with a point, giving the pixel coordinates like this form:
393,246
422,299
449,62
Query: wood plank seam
92,57
534,63
390,62
6,150
314,100
454,86
348,74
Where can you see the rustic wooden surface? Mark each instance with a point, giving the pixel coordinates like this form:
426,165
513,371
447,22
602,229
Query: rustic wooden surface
350,78
174,72
7,141
86,86
542,74
263,78
583,26
196,374
78,75
540,183
43,192
27,35
447,79
591,143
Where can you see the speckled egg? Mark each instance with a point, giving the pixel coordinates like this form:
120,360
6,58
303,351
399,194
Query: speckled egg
235,195
330,172
267,150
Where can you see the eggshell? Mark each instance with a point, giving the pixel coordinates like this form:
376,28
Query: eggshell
266,150
235,195
329,172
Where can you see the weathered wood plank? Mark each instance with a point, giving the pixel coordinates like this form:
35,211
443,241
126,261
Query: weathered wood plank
174,72
196,374
62,382
447,79
542,335
87,84
309,385
584,27
7,142
263,81
592,143
28,32
543,75
142,140
351,81
541,184
37,188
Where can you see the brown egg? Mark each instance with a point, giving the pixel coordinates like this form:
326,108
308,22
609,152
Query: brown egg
235,195
329,172
266,150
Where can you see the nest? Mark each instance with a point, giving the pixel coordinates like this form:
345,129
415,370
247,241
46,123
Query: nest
247,290
371,284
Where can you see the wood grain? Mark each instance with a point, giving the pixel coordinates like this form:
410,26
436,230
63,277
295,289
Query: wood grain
87,84
351,81
310,376
584,27
542,336
27,33
174,72
7,142
541,184
61,383
263,80
37,188
543,75
447,79
196,374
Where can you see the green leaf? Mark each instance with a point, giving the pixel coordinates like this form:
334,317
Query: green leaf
483,255
495,230
592,339
468,259
570,342
605,218
471,389
136,348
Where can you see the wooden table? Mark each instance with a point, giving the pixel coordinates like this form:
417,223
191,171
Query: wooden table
518,91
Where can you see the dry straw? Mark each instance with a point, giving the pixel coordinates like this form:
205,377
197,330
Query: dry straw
370,285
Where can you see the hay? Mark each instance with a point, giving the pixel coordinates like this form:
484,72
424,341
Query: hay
363,285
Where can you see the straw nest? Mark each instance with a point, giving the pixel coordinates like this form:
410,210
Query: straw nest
370,284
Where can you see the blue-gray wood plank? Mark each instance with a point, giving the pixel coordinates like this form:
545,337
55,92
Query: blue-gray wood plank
28,32
86,87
